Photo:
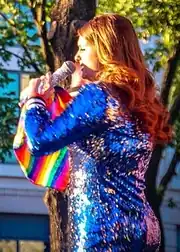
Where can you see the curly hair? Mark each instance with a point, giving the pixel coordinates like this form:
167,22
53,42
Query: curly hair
122,63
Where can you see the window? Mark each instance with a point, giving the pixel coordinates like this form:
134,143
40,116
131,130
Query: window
18,82
22,246
9,246
24,233
178,238
13,86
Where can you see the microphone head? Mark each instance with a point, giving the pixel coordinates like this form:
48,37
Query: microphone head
67,68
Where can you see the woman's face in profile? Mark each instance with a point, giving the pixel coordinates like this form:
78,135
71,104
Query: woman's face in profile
88,59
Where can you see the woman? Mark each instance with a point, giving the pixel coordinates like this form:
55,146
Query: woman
111,127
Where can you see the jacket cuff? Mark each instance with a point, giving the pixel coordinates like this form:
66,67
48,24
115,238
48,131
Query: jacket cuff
35,102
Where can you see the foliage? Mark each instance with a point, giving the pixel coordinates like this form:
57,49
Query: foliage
158,26
8,118
171,203
17,19
175,89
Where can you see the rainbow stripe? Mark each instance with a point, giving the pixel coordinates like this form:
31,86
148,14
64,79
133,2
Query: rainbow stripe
50,170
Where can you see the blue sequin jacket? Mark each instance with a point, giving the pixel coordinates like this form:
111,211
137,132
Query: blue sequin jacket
108,210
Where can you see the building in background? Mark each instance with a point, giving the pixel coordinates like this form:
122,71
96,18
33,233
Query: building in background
170,210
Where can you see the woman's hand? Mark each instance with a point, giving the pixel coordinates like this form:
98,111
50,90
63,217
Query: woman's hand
76,77
41,87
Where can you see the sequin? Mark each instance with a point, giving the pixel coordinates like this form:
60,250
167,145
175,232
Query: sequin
110,154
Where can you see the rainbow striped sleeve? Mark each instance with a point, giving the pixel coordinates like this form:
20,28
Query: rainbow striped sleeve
50,170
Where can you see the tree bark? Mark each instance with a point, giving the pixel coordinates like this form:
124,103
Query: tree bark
169,74
57,204
68,15
151,176
175,109
39,15
151,191
171,172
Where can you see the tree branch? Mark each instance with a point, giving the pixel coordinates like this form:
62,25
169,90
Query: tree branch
150,178
32,63
6,19
171,172
174,111
14,54
44,35
28,54
39,15
169,74
34,10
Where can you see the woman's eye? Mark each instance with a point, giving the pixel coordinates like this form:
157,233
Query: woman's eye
81,49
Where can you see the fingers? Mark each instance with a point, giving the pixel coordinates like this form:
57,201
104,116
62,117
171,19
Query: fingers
45,83
42,77
49,77
44,80
48,90
34,82
41,86
23,96
48,81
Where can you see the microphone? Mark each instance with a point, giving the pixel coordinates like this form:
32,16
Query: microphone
67,68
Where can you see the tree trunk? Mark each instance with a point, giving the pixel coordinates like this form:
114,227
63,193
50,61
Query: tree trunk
56,203
171,172
174,111
151,192
68,16
169,74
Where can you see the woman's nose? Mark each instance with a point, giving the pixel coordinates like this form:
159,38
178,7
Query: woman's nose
77,58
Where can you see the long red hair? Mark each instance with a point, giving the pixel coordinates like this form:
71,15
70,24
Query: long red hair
122,63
